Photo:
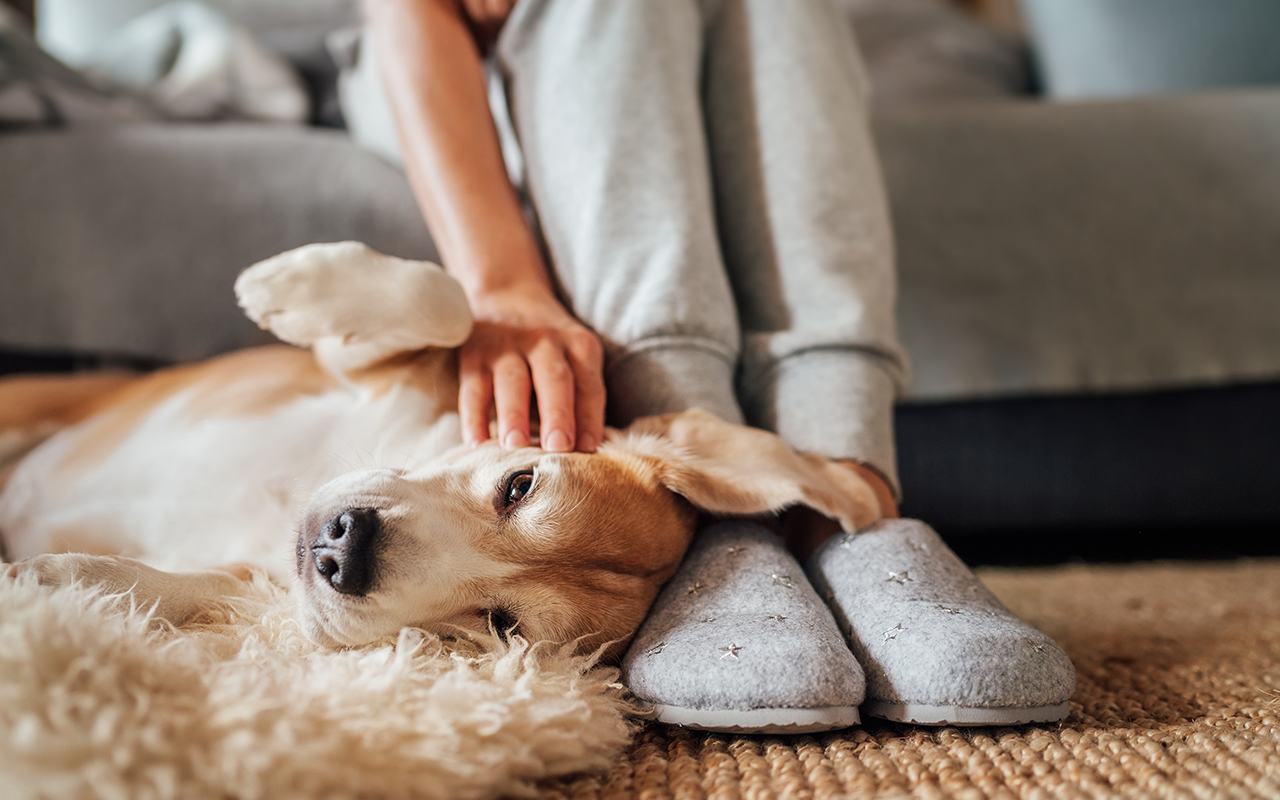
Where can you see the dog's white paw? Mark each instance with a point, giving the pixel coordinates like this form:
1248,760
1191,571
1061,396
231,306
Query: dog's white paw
349,293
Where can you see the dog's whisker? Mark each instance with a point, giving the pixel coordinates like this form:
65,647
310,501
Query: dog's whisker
333,455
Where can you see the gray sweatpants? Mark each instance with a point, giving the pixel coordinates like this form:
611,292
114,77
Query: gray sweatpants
706,186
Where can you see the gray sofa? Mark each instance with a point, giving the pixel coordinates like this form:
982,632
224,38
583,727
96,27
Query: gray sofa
1089,292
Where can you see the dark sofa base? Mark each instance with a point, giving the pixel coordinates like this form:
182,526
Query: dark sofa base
1125,462
1116,545
14,362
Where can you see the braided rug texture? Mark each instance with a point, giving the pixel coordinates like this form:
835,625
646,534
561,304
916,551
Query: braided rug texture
1178,697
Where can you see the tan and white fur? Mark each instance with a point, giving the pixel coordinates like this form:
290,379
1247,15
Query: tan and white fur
158,484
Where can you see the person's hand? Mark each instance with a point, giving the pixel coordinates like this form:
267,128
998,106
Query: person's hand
486,18
524,340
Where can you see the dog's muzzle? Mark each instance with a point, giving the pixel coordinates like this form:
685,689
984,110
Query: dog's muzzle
342,550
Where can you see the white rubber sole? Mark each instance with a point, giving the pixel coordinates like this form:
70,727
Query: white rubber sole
955,715
759,720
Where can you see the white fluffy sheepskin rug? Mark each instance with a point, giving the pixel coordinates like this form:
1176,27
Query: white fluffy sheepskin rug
99,701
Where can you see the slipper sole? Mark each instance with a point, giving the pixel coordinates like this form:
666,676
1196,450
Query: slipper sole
759,720
957,716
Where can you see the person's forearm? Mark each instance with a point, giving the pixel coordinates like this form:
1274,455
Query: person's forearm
434,78
525,344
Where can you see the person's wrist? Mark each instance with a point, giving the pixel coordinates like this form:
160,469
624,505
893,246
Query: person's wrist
490,285
507,262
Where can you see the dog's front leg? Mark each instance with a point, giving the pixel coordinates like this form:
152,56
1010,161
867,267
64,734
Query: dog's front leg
176,596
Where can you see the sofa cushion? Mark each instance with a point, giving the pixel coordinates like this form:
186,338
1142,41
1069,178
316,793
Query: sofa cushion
127,240
930,51
1112,48
1067,247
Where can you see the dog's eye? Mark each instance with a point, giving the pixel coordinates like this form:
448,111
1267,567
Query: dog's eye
516,487
503,622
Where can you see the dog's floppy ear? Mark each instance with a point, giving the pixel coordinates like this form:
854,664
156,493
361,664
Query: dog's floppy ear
732,469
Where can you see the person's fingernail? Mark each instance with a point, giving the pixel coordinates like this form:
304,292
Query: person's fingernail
587,443
473,443
557,441
514,439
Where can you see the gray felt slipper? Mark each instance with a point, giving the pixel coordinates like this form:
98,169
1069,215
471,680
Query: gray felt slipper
738,641
938,648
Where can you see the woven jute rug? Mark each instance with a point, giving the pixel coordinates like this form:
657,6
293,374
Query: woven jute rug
1178,697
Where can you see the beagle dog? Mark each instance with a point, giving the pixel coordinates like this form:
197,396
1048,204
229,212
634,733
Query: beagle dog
341,469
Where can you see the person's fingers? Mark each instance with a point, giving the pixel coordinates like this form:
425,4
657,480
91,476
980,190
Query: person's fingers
589,405
498,11
553,383
475,394
511,394
487,17
475,11
586,359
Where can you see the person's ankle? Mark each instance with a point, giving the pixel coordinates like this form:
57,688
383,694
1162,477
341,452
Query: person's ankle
880,486
804,530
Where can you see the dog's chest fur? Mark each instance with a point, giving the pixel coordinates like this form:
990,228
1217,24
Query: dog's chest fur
183,488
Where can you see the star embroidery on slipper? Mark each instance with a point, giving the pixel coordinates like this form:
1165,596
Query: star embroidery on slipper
900,578
729,652
783,580
709,619
737,550
949,610
777,618
696,588
893,632
847,541
1037,646
653,651
916,546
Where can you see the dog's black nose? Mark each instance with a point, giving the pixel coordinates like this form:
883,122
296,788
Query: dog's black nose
343,550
